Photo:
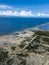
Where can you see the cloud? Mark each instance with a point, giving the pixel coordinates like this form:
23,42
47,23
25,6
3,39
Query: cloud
6,10
5,7
15,13
43,14
25,13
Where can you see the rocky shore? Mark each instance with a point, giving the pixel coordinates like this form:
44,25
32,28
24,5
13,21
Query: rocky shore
25,48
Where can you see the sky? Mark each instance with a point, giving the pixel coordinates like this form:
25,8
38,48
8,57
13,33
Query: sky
27,8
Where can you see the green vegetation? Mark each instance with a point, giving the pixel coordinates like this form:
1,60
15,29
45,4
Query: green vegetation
46,39
22,44
10,62
13,48
3,55
44,33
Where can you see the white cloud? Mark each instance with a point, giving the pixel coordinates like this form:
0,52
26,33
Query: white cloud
25,13
43,14
5,7
22,13
6,10
15,13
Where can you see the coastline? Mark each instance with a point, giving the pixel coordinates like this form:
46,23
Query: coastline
26,44
25,31
19,36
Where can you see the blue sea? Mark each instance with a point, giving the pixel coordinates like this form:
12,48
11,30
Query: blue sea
12,24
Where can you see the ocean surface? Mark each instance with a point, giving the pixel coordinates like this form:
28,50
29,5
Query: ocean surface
12,24
45,27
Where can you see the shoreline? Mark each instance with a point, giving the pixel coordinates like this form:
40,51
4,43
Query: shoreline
33,29
24,32
26,44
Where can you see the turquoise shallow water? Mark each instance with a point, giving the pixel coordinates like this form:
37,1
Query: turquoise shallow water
12,24
45,27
